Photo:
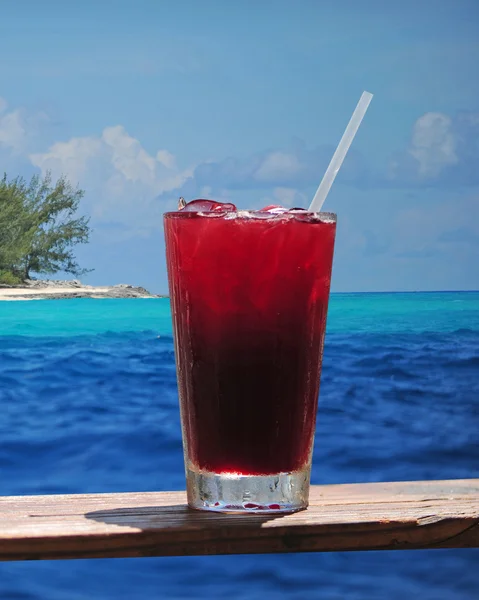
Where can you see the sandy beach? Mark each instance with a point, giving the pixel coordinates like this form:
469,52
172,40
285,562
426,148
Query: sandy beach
63,290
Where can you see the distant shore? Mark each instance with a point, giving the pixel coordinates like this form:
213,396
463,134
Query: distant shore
37,289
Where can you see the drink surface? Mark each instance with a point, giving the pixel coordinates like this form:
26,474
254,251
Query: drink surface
249,294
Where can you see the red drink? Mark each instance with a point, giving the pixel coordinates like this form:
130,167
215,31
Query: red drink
249,293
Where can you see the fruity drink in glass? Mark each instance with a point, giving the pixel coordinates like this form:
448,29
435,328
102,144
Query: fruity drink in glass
249,295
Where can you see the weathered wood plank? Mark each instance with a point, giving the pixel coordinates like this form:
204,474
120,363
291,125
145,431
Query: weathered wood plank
401,515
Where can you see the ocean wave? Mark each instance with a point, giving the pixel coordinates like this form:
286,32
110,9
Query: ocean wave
97,411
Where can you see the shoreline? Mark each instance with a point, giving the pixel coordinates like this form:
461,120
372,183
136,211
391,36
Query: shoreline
66,290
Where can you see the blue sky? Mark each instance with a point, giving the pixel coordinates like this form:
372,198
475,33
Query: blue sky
142,101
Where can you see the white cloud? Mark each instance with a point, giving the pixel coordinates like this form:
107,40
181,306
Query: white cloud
281,170
120,177
443,150
19,129
69,158
122,180
166,158
127,155
122,156
434,144
127,184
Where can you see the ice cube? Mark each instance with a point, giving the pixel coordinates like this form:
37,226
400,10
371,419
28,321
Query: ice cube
274,209
202,205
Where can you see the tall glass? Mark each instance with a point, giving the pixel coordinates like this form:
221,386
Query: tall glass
249,295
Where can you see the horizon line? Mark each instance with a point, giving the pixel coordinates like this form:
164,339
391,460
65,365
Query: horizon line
390,292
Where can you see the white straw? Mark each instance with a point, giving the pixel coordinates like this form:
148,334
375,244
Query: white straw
341,151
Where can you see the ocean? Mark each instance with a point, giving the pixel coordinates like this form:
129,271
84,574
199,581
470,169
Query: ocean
88,403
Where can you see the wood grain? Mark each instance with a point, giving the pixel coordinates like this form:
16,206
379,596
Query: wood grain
373,516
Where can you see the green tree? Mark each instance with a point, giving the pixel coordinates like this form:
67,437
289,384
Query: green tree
14,232
39,226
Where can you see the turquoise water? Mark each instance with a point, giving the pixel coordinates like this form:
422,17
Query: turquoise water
88,403
385,313
84,317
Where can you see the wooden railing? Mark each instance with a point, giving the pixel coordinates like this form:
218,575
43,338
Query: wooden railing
373,516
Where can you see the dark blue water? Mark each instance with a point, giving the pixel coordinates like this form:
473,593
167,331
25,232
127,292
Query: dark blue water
89,404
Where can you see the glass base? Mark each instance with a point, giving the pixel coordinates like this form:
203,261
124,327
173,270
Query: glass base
232,493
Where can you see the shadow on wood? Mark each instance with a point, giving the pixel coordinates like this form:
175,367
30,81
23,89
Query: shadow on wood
177,530
376,516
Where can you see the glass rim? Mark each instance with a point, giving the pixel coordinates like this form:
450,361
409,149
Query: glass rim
326,217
